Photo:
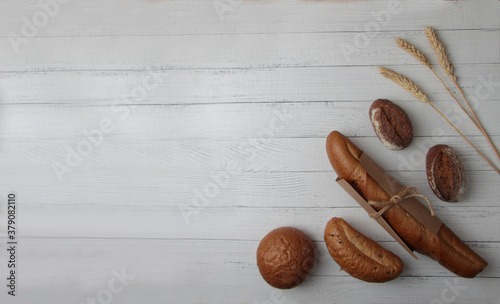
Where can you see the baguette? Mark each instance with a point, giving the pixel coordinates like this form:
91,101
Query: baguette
445,247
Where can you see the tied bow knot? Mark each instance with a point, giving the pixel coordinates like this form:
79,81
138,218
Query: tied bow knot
405,193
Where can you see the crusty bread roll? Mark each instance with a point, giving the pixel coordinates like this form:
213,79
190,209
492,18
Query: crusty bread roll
391,124
358,255
284,257
446,173
446,247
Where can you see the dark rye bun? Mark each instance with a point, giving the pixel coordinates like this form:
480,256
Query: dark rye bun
391,124
358,255
446,173
446,247
284,257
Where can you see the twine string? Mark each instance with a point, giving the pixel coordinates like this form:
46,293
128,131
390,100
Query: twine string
405,193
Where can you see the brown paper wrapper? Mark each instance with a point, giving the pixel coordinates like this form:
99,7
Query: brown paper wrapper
392,187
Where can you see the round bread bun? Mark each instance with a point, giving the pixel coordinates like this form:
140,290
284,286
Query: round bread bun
284,257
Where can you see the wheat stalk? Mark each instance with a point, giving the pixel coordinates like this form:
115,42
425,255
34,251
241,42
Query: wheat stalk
412,50
405,83
440,50
411,87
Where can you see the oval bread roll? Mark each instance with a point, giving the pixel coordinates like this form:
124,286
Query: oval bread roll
391,124
446,173
360,256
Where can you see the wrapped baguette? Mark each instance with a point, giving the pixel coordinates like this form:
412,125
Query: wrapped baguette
445,247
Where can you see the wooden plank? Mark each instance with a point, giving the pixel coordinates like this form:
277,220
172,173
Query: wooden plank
202,157
209,221
149,18
239,51
168,270
175,186
272,154
176,256
480,83
236,122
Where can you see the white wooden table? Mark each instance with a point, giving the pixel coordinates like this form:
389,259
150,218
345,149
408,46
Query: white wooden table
152,144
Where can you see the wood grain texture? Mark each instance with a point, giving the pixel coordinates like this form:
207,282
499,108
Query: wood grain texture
267,122
235,51
144,18
162,270
227,142
240,85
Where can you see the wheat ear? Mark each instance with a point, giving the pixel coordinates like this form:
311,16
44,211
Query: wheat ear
405,83
440,50
411,87
412,50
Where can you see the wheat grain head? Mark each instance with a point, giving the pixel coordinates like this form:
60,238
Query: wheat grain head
405,83
412,50
440,50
